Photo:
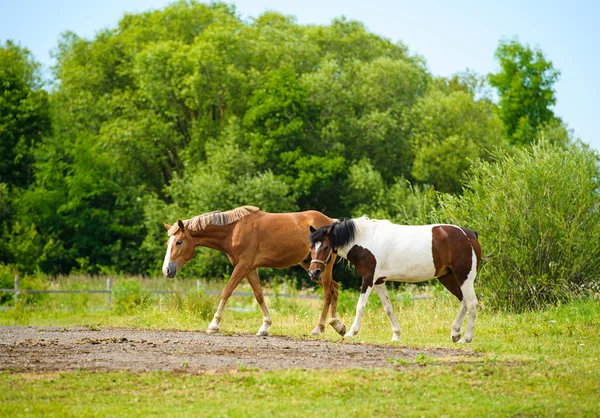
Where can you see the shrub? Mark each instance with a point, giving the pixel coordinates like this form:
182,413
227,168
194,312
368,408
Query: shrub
195,303
537,212
7,281
127,295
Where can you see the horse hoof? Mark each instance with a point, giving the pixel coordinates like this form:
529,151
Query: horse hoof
316,331
338,326
349,334
262,333
465,340
455,338
212,330
396,337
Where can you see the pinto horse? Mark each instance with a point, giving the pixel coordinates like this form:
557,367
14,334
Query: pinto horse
382,251
251,239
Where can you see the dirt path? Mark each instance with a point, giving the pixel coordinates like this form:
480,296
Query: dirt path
35,349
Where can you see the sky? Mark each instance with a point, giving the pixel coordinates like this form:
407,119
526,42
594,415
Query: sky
451,35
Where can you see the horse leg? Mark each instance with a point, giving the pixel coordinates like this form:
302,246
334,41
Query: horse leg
335,322
466,294
381,291
236,277
365,292
450,282
325,281
470,304
254,281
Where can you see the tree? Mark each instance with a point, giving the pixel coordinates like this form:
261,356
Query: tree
24,114
525,87
24,120
449,132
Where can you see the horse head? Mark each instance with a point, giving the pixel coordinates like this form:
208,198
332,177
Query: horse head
180,249
321,249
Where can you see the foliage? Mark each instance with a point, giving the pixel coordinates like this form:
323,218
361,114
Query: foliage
188,109
7,281
24,115
538,218
525,86
195,304
128,295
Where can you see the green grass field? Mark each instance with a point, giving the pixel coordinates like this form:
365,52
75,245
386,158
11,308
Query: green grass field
544,363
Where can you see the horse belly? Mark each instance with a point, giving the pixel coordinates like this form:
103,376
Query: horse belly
409,261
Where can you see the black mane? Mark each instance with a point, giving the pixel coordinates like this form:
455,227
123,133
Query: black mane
342,233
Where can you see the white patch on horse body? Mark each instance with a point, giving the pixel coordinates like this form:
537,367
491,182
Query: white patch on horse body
165,265
403,252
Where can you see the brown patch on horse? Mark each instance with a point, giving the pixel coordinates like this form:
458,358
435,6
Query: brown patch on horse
217,218
473,237
452,256
364,261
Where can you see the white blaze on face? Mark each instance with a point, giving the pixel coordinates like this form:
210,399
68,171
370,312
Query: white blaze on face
317,246
168,255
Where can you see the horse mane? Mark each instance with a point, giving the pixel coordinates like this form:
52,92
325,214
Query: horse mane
217,218
342,233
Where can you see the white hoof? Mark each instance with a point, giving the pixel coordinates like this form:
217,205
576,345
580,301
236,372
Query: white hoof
317,331
212,330
262,333
350,334
465,340
396,337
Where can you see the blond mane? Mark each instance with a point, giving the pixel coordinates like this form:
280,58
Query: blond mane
217,218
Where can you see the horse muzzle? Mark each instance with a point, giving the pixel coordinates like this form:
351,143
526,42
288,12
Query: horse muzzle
314,275
171,270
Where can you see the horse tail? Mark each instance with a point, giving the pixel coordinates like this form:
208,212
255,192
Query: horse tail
474,238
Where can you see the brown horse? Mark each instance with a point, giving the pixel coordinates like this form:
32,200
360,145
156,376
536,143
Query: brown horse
382,251
251,239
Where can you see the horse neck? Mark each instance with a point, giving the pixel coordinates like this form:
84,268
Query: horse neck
362,232
215,237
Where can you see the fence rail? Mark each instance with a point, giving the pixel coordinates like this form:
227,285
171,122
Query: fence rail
109,291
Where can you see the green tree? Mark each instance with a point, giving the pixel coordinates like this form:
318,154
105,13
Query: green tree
24,114
24,120
525,85
450,130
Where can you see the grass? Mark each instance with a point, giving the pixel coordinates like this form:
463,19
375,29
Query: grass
543,363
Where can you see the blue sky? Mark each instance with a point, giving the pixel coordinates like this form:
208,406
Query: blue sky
451,35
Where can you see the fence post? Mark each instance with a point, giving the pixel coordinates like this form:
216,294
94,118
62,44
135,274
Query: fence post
16,288
109,288
198,286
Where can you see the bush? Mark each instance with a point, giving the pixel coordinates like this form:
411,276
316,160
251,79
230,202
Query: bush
127,295
195,303
537,212
7,281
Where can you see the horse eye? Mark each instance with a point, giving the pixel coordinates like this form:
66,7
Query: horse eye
178,243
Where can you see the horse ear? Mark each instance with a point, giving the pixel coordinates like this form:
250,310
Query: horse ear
167,226
330,230
312,229
180,224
